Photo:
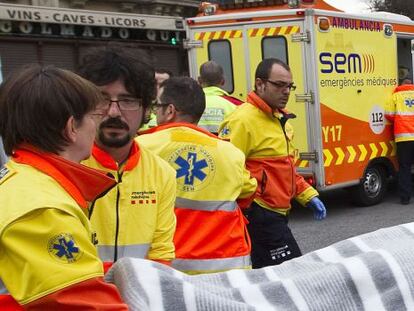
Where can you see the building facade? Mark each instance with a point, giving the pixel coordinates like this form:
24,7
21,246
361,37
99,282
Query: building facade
58,31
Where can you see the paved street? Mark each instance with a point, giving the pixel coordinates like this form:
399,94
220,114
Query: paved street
345,220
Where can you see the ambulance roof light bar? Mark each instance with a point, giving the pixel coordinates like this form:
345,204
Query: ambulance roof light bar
294,4
209,8
206,8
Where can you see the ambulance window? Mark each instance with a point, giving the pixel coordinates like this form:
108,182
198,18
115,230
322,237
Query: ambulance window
220,52
275,47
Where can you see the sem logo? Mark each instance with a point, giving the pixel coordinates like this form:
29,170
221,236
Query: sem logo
63,248
346,63
195,167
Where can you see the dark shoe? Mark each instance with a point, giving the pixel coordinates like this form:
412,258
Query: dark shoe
405,201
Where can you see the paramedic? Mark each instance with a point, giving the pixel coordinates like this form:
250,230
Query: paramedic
136,218
160,76
211,231
219,103
48,258
400,112
269,153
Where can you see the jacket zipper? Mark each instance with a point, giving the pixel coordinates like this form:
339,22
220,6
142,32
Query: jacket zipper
117,217
282,124
92,206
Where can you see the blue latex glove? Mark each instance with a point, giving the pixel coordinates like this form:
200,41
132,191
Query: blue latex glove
319,210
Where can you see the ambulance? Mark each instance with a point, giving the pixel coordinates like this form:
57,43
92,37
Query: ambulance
345,67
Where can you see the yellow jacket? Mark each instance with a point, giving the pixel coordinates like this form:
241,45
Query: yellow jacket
136,218
400,111
266,140
211,233
47,251
217,108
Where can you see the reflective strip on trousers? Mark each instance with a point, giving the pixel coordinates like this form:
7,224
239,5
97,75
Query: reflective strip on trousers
107,252
209,206
211,264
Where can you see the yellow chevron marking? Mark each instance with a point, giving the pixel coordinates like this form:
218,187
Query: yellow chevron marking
303,163
384,149
283,31
217,35
328,157
250,32
352,154
259,33
374,150
341,156
227,34
295,29
363,152
394,150
238,34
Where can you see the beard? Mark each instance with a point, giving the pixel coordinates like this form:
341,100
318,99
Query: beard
113,140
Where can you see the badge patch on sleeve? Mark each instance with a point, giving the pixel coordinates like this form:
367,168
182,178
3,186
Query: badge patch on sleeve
63,248
225,131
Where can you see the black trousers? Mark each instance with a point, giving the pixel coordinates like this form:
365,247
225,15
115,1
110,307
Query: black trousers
272,240
405,156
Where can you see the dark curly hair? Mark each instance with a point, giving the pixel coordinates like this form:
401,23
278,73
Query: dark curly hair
104,65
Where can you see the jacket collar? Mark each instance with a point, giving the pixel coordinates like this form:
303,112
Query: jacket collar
255,100
404,87
84,184
214,90
106,160
177,124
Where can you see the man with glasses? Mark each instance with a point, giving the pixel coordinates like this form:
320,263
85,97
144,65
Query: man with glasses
211,232
260,128
136,218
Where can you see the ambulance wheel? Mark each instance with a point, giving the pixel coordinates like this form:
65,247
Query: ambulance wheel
372,188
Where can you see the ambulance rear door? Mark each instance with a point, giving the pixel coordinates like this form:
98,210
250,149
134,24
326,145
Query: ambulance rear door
239,48
225,45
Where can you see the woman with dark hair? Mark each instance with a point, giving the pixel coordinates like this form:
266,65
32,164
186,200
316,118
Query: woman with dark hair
48,258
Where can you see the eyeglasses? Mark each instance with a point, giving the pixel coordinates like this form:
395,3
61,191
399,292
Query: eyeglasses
157,105
282,85
124,104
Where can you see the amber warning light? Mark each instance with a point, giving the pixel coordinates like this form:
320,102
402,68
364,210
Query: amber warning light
323,24
208,8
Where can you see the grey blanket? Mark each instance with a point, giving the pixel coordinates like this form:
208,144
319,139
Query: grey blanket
374,271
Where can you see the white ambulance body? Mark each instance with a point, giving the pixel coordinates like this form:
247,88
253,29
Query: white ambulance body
345,67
